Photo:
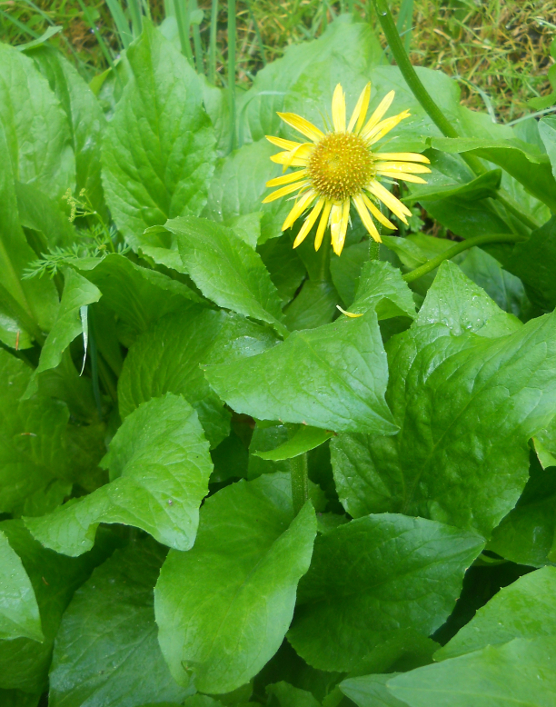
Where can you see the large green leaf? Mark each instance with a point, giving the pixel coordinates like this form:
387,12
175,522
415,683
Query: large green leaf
285,695
159,468
332,377
467,405
223,607
37,212
158,150
371,691
167,358
37,131
382,288
27,307
18,698
547,131
106,650
525,609
375,576
85,118
19,613
24,662
520,672
226,269
35,469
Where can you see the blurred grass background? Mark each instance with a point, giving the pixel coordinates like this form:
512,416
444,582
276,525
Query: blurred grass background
497,49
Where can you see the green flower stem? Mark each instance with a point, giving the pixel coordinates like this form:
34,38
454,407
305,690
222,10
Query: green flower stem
300,481
232,70
430,265
414,82
212,42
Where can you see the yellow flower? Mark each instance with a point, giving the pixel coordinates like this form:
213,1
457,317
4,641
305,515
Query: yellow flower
340,167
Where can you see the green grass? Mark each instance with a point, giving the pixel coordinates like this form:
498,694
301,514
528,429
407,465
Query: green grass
498,49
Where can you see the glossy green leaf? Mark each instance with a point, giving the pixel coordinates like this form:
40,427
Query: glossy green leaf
223,607
226,269
382,288
35,468
524,609
519,672
371,691
333,377
467,405
37,130
158,150
27,307
19,613
482,187
84,115
107,651
159,469
78,293
304,439
167,358
24,663
373,576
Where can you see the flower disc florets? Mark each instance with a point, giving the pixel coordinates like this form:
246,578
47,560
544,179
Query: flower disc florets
340,166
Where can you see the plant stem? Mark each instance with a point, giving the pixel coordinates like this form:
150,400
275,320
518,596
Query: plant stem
232,70
430,265
212,42
300,481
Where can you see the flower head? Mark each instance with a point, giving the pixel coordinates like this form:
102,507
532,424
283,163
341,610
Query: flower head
339,168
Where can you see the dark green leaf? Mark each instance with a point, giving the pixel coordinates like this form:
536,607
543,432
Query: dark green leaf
313,306
223,607
19,613
371,691
159,468
304,439
484,186
286,269
525,609
518,672
332,377
107,651
286,695
373,576
346,270
158,150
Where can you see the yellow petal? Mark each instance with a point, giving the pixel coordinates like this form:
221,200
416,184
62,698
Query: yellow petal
402,157
402,175
283,192
348,314
302,126
378,132
395,205
403,167
298,209
323,224
284,144
339,109
360,112
288,160
366,217
309,221
379,112
338,225
287,178
377,213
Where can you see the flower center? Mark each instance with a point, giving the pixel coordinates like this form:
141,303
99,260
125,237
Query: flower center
340,165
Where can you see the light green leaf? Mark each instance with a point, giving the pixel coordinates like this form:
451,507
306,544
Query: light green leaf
333,377
382,288
27,307
35,468
519,672
304,439
223,607
371,691
467,406
19,613
84,116
37,131
158,150
482,187
286,695
547,131
373,576
39,213
226,269
524,609
167,358
238,188
24,663
159,469
110,623
522,161
78,293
